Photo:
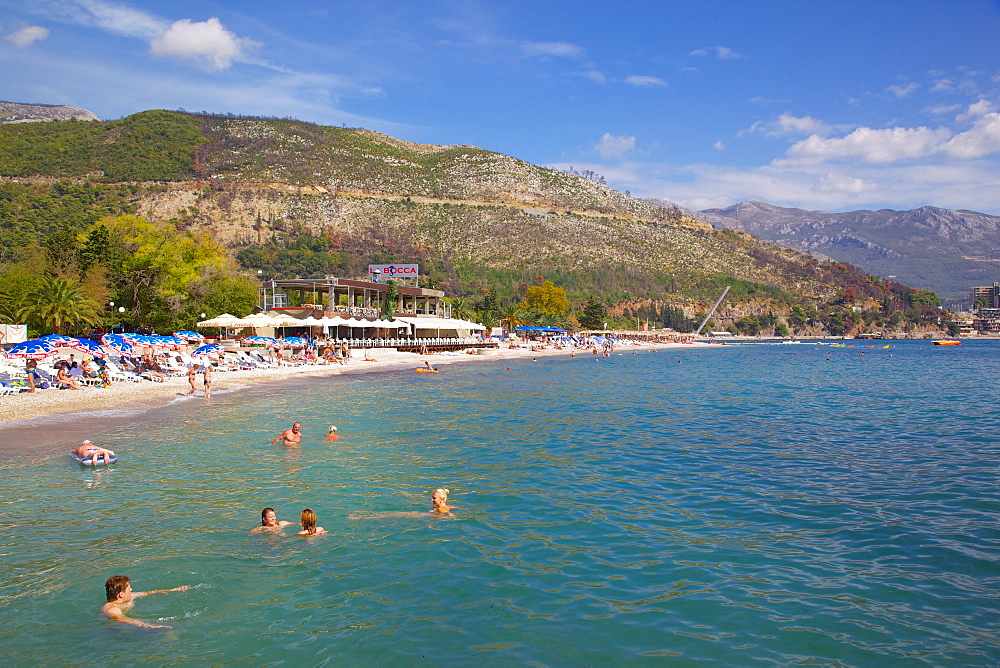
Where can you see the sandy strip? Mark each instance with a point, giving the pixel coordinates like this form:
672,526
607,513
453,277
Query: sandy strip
35,422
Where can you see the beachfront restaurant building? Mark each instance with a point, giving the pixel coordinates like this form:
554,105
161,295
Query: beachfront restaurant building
424,310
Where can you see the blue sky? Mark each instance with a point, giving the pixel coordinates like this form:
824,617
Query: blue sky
820,105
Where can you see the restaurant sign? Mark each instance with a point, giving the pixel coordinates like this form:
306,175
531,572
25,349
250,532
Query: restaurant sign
386,271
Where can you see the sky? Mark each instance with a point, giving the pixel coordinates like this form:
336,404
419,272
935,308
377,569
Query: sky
834,106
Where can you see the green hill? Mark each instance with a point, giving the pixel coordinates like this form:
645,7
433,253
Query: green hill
293,198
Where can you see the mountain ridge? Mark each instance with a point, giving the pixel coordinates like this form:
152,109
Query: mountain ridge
944,250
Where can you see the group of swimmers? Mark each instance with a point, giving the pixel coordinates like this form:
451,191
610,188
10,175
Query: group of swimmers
119,588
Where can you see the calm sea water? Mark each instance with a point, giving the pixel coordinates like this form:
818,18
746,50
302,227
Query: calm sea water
753,505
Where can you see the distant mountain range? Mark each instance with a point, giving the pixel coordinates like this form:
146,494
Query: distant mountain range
930,248
17,112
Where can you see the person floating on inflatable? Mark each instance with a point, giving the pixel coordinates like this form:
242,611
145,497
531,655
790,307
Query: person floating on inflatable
87,451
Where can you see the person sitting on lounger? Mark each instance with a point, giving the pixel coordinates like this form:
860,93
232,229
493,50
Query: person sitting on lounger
63,377
88,450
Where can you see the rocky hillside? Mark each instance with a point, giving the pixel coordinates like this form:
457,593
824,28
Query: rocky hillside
338,198
16,112
936,249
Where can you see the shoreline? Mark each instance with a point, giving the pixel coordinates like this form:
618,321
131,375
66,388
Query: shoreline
49,418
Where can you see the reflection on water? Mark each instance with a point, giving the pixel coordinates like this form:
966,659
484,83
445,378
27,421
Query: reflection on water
749,505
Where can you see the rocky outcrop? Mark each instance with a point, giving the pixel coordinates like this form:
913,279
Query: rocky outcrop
16,112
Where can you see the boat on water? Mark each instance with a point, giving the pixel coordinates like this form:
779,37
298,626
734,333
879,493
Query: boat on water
946,342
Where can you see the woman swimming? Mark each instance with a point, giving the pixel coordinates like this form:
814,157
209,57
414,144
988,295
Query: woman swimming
440,500
269,521
308,520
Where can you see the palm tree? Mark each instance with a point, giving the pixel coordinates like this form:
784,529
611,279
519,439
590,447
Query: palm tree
511,316
462,308
57,304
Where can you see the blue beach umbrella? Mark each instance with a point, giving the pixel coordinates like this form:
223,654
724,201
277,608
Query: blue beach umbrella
88,346
117,343
59,341
295,342
33,349
209,349
170,341
262,341
188,335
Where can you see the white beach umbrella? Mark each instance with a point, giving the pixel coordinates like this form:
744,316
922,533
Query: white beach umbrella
224,320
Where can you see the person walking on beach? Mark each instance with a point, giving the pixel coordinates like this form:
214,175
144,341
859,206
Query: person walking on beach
207,378
121,596
308,520
191,374
269,521
291,436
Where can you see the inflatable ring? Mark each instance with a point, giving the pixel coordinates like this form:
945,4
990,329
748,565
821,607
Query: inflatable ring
90,461
426,370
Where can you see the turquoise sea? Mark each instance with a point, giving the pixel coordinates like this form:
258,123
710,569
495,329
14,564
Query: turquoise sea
732,506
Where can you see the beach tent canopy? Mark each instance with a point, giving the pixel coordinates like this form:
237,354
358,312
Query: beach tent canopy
224,320
442,323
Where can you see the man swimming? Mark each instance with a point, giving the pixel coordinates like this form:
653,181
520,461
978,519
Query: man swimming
87,450
291,436
269,521
332,435
121,596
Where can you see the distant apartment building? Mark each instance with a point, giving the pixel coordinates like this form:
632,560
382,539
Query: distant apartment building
987,321
989,293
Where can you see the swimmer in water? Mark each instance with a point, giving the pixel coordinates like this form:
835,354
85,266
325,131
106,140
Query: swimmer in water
120,597
269,521
291,436
440,500
88,450
332,435
308,520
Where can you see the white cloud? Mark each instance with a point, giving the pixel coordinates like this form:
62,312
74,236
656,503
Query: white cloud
26,36
720,52
614,146
902,91
557,49
869,146
595,75
719,145
977,109
113,17
842,184
981,140
787,124
640,81
942,85
942,109
205,42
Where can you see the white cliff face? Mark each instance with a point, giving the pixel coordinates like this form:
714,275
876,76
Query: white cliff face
16,112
